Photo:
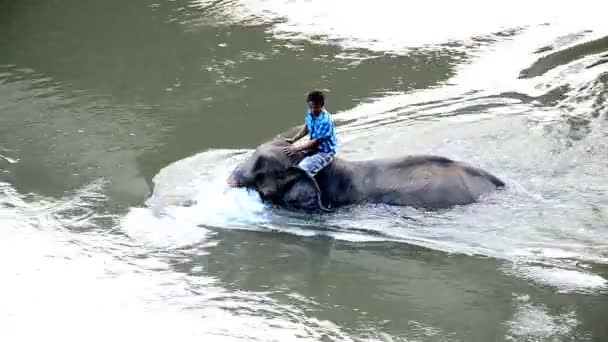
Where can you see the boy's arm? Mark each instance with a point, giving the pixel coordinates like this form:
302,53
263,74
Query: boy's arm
324,133
308,146
301,134
291,150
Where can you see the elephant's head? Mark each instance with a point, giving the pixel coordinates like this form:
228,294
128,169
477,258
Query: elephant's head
276,178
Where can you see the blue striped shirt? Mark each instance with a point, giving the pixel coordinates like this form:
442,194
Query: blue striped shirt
321,127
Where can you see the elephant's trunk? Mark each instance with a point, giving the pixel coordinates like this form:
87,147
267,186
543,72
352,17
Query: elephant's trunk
238,179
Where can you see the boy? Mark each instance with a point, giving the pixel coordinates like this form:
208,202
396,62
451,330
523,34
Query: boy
322,144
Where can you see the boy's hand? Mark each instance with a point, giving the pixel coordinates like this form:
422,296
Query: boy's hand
289,140
290,151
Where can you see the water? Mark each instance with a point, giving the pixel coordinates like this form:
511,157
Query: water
121,120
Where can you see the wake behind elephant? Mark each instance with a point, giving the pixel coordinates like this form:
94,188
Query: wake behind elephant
423,181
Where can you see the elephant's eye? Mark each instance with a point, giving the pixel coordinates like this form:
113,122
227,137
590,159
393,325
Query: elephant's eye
259,177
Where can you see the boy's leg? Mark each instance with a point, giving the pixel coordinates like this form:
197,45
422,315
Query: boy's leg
316,162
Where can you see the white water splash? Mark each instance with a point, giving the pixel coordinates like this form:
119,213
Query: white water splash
534,322
73,285
566,281
9,160
397,26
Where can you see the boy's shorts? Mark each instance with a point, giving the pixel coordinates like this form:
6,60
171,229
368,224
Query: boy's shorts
316,162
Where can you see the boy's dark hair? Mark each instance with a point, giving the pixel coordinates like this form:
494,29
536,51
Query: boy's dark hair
316,97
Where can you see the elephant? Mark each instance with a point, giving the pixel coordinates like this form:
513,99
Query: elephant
419,181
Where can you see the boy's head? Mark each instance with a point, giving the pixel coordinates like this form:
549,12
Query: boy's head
316,101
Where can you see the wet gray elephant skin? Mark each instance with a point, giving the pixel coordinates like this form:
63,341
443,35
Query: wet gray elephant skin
422,181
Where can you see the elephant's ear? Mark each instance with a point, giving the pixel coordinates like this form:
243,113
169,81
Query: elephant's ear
302,191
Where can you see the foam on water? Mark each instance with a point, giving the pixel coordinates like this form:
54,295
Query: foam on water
397,26
493,71
499,42
192,195
534,322
193,192
94,285
565,280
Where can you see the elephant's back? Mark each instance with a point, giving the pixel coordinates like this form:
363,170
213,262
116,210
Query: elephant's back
430,181
476,180
476,172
